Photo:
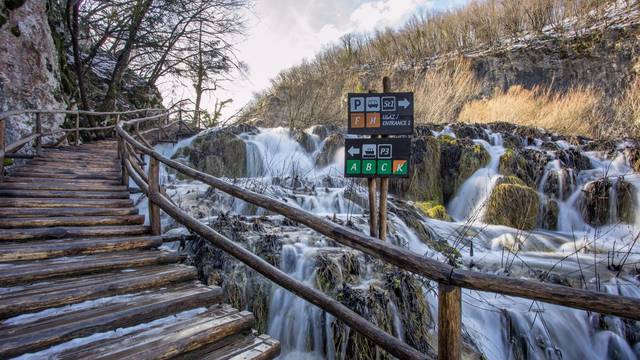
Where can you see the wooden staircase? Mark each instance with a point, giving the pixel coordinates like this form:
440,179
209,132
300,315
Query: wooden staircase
81,277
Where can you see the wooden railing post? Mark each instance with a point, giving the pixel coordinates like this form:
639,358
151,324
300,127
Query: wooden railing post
77,139
122,154
39,132
2,122
154,188
449,322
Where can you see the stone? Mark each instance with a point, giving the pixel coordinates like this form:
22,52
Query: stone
513,205
573,158
513,163
550,212
433,210
304,139
329,149
218,153
626,204
594,202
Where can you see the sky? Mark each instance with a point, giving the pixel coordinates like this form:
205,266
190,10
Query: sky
281,33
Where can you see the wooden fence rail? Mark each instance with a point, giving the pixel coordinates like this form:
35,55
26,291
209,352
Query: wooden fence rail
450,279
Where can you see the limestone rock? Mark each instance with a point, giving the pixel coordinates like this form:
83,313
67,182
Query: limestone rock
513,205
329,149
594,202
219,153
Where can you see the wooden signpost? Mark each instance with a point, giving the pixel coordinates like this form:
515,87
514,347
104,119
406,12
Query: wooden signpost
379,157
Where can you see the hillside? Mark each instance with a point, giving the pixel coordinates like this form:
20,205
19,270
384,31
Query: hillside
571,67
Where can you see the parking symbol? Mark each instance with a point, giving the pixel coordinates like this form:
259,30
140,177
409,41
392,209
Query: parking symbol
373,104
384,151
356,104
368,151
389,103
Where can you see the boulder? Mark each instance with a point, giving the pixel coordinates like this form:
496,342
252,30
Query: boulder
219,153
469,131
633,158
459,159
550,213
513,205
304,139
626,195
573,158
558,184
434,210
329,149
322,131
514,163
424,183
594,202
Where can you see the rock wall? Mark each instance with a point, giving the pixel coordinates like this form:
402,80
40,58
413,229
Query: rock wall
29,65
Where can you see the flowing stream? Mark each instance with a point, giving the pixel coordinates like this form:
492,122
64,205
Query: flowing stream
500,327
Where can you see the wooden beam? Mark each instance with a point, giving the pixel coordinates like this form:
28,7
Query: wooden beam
154,188
384,182
449,322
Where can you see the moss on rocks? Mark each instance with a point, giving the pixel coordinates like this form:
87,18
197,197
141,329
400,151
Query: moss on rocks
328,274
512,163
433,210
424,183
219,153
513,205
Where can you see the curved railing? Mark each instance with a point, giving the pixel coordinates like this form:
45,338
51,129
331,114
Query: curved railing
132,147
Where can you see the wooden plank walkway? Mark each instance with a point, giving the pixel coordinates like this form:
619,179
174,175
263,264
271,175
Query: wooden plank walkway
81,277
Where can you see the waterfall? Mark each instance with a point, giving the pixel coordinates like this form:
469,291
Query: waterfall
283,166
474,192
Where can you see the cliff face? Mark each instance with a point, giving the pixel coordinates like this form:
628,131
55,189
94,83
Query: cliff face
36,63
29,65
606,57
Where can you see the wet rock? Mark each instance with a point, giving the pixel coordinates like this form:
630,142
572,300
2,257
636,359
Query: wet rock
550,213
328,273
469,131
424,183
329,149
594,202
633,158
626,195
304,139
269,248
514,163
600,145
459,159
573,158
558,184
219,153
323,131
433,210
513,205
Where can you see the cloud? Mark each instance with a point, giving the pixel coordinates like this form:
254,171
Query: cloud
385,13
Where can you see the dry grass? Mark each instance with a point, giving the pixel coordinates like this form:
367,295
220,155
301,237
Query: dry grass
573,112
441,93
626,115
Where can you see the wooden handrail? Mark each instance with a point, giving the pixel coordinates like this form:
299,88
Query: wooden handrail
6,114
389,343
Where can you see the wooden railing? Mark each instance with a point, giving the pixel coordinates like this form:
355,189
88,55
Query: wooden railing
133,147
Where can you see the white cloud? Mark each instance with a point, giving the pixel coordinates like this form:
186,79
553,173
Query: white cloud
385,13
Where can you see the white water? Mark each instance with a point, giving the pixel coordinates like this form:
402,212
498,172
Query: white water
501,327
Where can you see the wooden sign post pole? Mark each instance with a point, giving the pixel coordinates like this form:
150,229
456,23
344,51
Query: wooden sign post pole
384,182
373,208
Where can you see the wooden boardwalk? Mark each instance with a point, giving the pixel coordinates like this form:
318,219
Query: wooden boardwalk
82,277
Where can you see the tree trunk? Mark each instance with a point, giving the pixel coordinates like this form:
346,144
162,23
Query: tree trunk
73,13
139,12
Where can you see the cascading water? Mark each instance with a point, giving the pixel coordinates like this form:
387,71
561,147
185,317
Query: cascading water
501,327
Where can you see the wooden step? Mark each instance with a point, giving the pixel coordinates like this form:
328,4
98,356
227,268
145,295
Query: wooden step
61,186
29,271
241,346
37,169
71,221
64,212
65,203
41,295
105,176
104,315
166,339
39,250
64,231
6,193
10,179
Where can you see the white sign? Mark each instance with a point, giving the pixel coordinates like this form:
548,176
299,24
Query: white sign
356,104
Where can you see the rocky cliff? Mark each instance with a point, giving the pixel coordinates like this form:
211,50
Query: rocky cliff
36,62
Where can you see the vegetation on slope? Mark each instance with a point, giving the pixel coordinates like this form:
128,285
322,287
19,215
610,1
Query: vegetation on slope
436,56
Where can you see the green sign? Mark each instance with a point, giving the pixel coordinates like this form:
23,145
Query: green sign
382,157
